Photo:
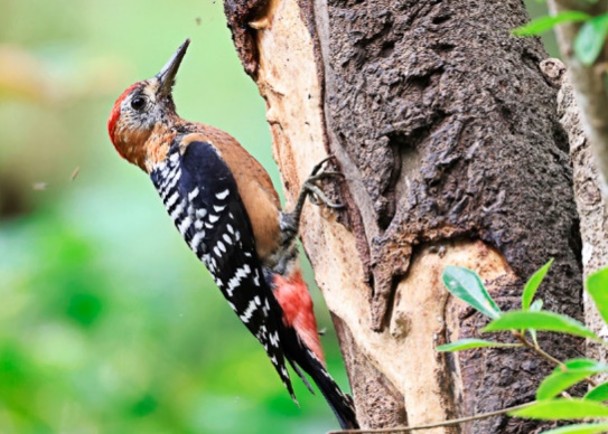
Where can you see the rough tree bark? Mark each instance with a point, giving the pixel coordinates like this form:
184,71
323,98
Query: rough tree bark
588,83
447,134
590,202
582,102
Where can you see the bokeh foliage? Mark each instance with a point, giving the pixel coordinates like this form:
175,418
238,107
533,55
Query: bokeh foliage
108,324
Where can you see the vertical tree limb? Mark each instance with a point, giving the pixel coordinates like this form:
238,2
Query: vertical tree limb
448,136
589,83
590,203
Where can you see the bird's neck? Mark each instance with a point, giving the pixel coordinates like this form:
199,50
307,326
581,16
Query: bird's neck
156,148
149,150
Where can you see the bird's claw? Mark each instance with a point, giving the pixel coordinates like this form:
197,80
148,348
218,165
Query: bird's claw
310,189
317,196
320,164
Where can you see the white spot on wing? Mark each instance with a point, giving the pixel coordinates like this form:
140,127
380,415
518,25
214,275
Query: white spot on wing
274,339
164,172
222,194
193,193
172,200
221,246
177,211
196,239
173,177
239,275
184,225
246,316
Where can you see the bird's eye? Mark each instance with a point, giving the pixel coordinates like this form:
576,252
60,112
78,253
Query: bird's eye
138,103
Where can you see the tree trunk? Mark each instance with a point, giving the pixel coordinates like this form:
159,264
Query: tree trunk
590,202
447,134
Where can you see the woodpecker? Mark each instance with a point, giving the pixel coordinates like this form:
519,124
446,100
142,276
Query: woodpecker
223,203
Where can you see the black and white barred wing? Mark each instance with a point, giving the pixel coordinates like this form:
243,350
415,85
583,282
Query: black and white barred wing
202,198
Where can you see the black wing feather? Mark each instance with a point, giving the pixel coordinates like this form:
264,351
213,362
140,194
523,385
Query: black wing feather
205,206
202,198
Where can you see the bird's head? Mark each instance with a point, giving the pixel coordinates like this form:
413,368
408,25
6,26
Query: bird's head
142,109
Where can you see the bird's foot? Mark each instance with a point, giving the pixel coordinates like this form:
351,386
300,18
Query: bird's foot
311,188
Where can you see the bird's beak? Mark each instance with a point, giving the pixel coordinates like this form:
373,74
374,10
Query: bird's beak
166,76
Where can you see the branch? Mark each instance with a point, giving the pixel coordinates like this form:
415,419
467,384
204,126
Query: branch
543,354
448,422
587,81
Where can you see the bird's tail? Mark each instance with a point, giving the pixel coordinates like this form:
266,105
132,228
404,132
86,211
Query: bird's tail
301,357
341,403
302,347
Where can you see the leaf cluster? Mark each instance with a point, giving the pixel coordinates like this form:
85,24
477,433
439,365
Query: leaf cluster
552,400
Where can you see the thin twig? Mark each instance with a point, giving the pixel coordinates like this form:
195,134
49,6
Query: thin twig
542,353
526,343
405,429
538,350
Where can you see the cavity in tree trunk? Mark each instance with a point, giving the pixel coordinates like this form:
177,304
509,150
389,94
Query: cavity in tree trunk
447,134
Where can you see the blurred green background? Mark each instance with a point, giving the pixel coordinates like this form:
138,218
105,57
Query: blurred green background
108,324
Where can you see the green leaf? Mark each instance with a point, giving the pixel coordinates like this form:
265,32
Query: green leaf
557,382
597,287
543,320
467,344
598,393
536,307
561,409
466,285
547,22
580,428
532,285
582,364
590,39
567,375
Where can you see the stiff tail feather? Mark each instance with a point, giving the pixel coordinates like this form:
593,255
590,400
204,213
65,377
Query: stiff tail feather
341,404
302,346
